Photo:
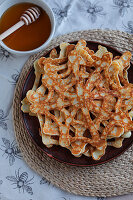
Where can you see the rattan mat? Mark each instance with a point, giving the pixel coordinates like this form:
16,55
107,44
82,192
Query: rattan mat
110,179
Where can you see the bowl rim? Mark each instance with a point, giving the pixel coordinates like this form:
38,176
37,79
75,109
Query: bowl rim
43,150
49,12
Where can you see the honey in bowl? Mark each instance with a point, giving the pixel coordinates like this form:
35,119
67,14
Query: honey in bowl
27,37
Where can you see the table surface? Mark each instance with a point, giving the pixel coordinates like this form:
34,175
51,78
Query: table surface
70,15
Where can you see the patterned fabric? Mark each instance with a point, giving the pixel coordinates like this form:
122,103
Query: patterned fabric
17,180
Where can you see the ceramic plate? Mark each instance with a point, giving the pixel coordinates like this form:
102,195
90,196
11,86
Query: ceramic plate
59,153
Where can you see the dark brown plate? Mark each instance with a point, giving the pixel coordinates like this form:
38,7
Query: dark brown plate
59,153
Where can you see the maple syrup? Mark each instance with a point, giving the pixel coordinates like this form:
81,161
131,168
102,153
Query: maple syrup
27,37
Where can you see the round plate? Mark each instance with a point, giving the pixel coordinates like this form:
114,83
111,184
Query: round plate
57,152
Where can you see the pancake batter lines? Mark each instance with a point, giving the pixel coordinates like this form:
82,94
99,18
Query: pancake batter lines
84,102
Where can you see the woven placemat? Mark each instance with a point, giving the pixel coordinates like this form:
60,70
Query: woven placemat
110,179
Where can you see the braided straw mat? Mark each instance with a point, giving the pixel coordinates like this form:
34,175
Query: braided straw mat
110,179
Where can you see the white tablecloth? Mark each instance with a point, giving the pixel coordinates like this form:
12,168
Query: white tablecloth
71,15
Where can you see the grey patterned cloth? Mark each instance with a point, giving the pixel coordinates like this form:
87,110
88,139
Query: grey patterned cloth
17,180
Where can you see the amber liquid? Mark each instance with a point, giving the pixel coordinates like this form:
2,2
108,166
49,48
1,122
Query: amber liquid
27,37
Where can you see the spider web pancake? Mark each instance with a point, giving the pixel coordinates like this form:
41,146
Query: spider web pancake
84,102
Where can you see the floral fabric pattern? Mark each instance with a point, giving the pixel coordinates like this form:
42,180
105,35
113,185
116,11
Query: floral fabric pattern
11,150
3,119
123,6
21,182
92,10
